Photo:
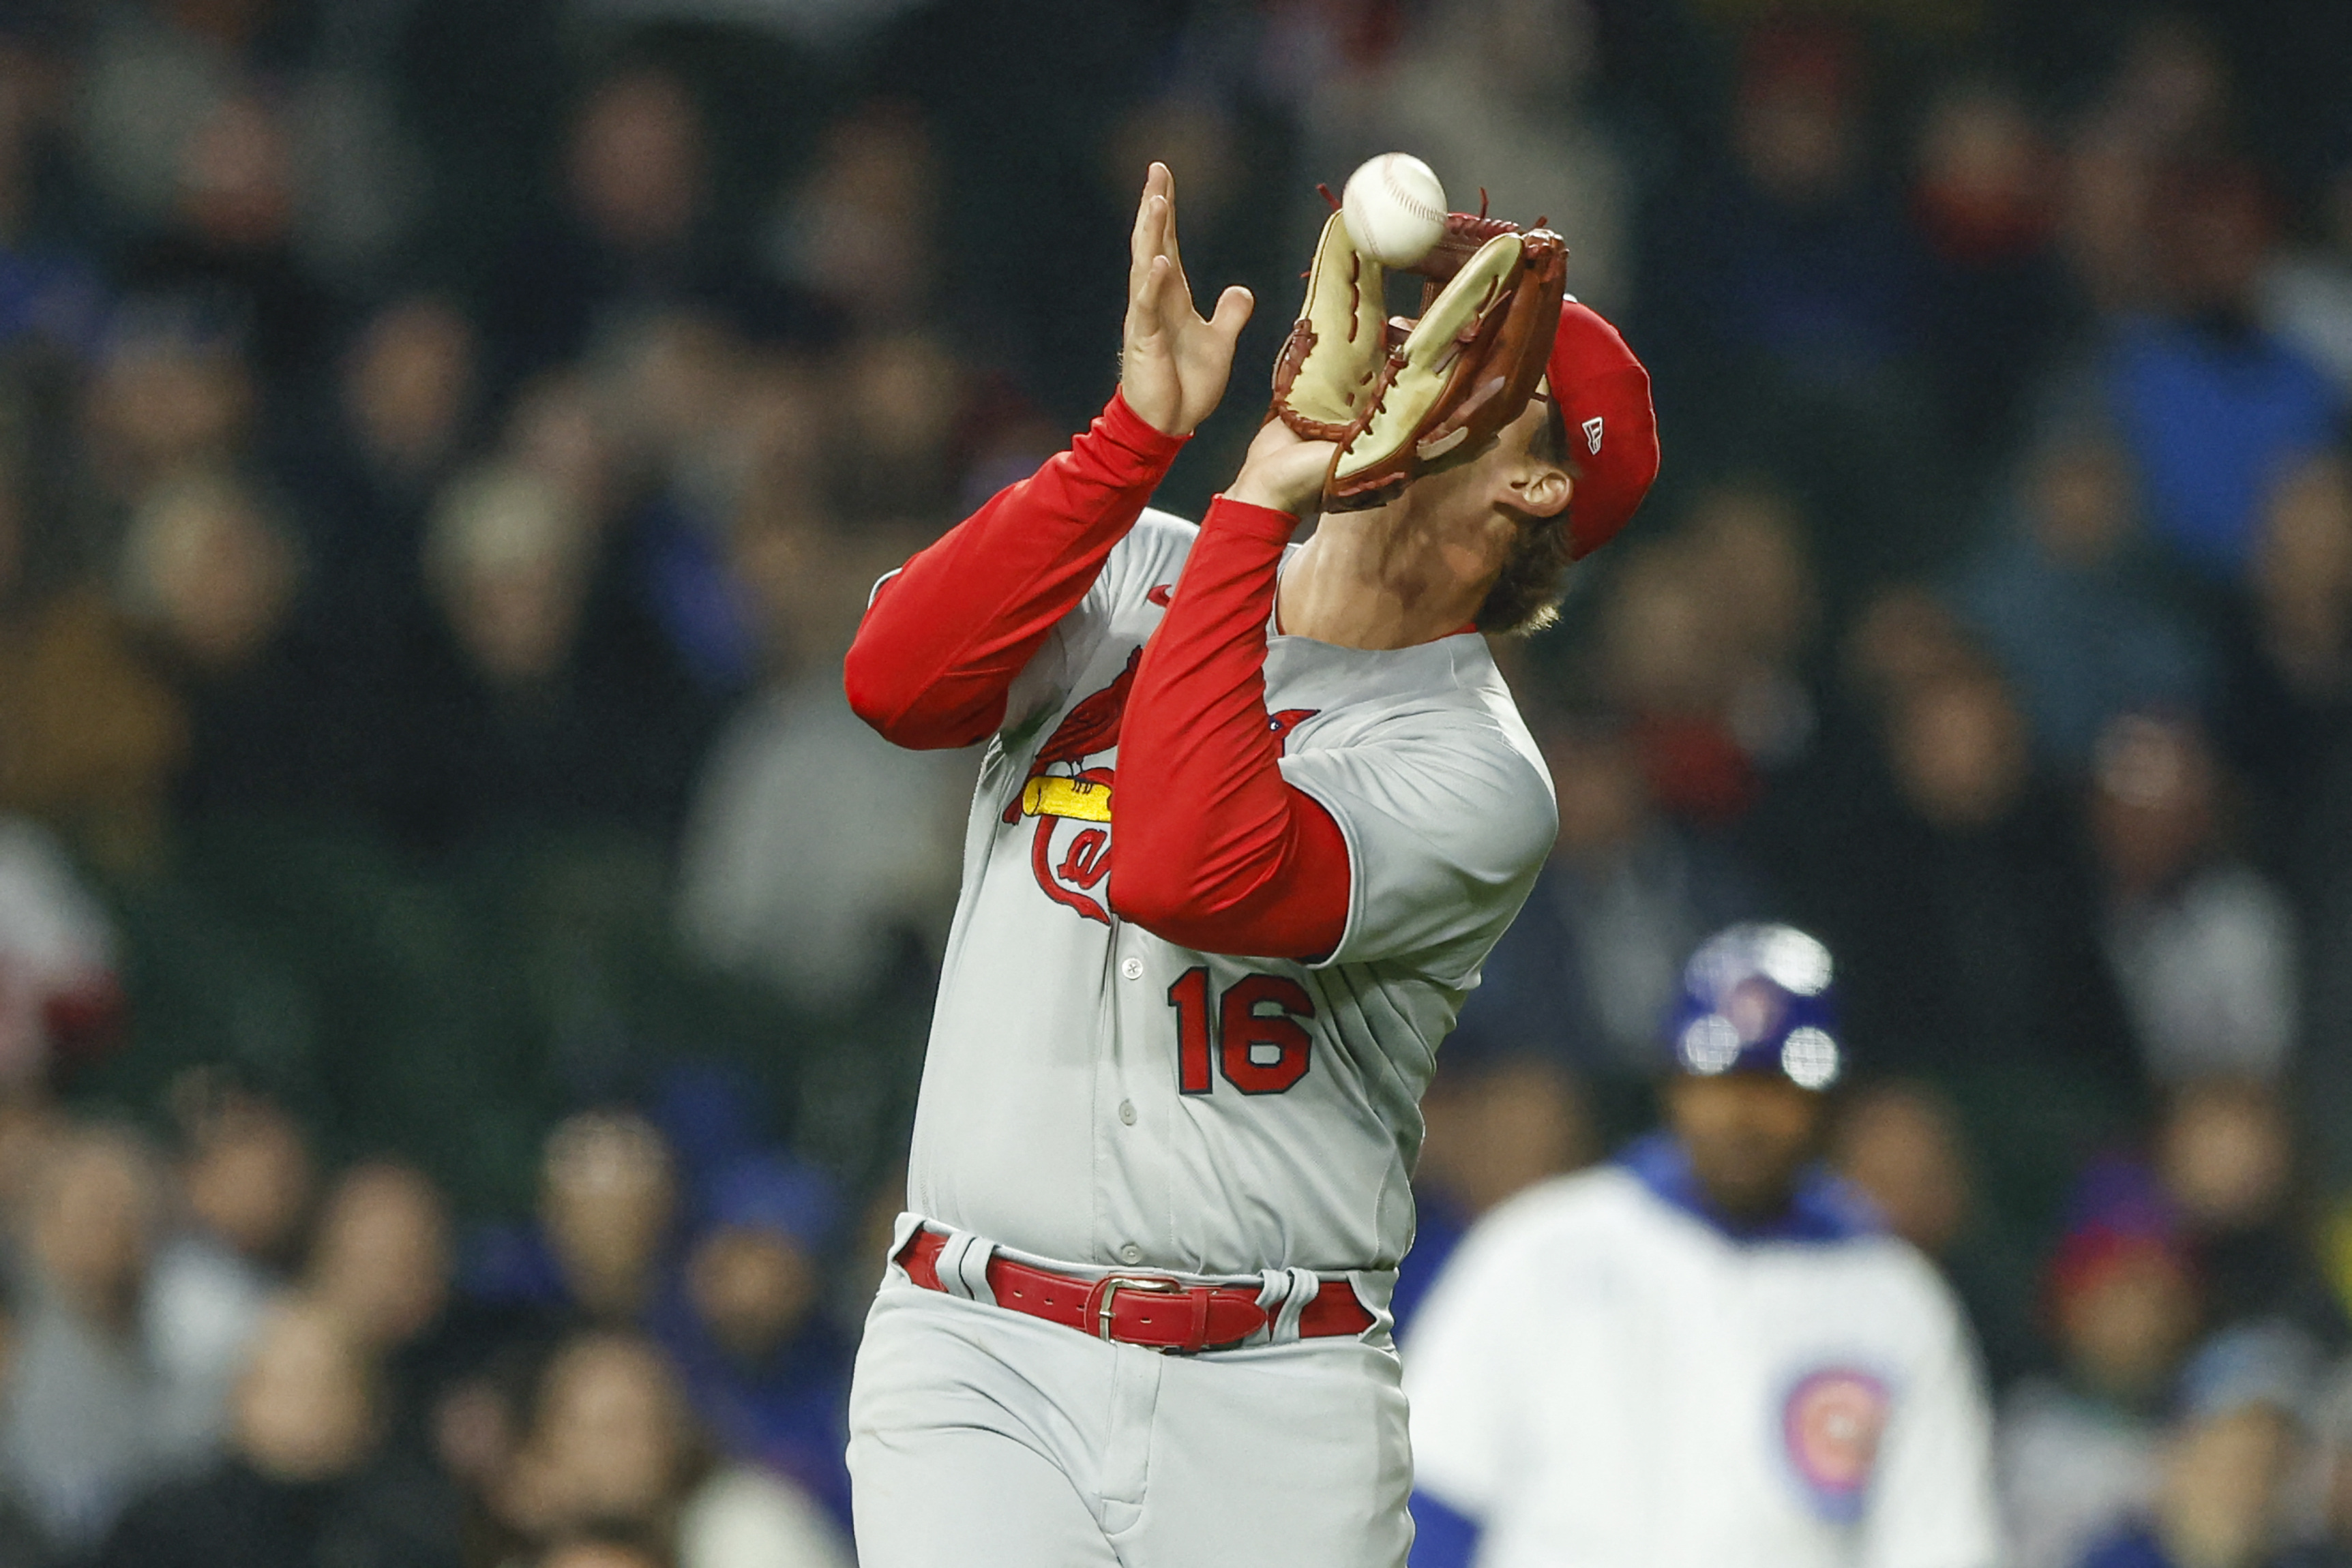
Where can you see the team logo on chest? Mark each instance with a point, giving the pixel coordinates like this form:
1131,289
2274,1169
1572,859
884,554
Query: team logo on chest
1068,792
1829,1423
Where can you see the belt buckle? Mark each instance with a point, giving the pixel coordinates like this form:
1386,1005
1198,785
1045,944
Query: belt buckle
1112,1284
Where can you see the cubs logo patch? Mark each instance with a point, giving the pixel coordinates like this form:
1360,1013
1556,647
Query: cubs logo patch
1830,1425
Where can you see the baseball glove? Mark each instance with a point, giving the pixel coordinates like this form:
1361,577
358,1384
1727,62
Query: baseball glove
1402,397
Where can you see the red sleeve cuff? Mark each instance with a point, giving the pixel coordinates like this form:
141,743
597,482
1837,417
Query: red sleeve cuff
1132,432
1263,523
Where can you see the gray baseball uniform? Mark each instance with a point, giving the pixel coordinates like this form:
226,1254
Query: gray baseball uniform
1097,1099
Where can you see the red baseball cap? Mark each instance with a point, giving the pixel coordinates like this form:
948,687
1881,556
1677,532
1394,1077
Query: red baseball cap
1603,397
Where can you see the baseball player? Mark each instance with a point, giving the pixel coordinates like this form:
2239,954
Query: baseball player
1707,1353
1136,1311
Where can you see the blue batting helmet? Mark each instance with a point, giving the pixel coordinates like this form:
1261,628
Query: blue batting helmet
1757,998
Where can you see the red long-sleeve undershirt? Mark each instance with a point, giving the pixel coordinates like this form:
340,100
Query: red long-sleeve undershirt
940,644
1215,849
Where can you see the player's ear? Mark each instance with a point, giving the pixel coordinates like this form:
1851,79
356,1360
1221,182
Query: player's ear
1541,481
1543,488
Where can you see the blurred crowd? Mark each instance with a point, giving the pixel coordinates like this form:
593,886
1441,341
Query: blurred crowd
219,1352
463,968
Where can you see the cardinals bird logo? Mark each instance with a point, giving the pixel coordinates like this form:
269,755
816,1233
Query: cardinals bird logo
1061,786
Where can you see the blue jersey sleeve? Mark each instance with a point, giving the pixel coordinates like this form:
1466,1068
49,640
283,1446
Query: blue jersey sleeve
1442,1537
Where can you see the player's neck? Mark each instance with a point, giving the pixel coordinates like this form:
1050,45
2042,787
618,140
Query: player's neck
1395,577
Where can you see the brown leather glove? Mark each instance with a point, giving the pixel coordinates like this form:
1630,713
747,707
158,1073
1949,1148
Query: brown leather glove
1402,397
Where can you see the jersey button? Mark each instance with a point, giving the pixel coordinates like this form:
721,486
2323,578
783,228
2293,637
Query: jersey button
1127,1111
1132,968
1130,1253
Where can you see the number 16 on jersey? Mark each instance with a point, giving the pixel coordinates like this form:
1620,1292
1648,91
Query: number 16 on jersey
1252,1032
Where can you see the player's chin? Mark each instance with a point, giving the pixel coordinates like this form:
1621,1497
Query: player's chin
1751,1181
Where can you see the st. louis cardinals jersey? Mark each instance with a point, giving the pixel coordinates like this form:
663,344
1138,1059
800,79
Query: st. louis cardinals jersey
1097,1095
1603,1378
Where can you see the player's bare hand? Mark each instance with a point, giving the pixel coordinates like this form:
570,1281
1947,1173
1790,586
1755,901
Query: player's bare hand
1174,363
1284,470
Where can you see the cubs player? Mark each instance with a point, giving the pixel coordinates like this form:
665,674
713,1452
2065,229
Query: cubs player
1707,1353
1136,1311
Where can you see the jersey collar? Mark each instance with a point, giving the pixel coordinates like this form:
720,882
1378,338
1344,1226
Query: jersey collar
1826,1208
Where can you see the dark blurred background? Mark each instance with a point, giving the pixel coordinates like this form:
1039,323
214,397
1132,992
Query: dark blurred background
463,969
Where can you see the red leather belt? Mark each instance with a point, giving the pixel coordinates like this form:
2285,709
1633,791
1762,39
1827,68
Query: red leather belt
1148,1310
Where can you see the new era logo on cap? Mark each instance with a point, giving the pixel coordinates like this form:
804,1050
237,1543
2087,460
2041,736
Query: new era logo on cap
1598,384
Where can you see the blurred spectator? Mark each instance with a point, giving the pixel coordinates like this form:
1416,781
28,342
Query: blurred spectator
1702,645
856,230
278,721
681,391
520,719
229,244
611,1445
90,734
1583,975
2078,1449
820,891
2307,293
370,462
1667,662
2211,407
560,430
2170,95
1782,307
2287,727
891,457
763,1367
49,291
382,1260
1751,555
1902,1146
152,77
23,1544
633,231
245,1177
607,1198
2227,1158
2290,643
295,1489
80,1428
2302,581
2202,947
2065,601
2228,1459
1981,198
1965,922
172,392
1795,255
60,1001
2330,1542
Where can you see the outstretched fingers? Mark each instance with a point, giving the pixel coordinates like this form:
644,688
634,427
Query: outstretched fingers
1232,313
1168,245
1151,224
1157,309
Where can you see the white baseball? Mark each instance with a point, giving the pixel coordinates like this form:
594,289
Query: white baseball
1395,209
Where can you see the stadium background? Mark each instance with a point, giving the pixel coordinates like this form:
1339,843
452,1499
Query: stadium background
443,450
